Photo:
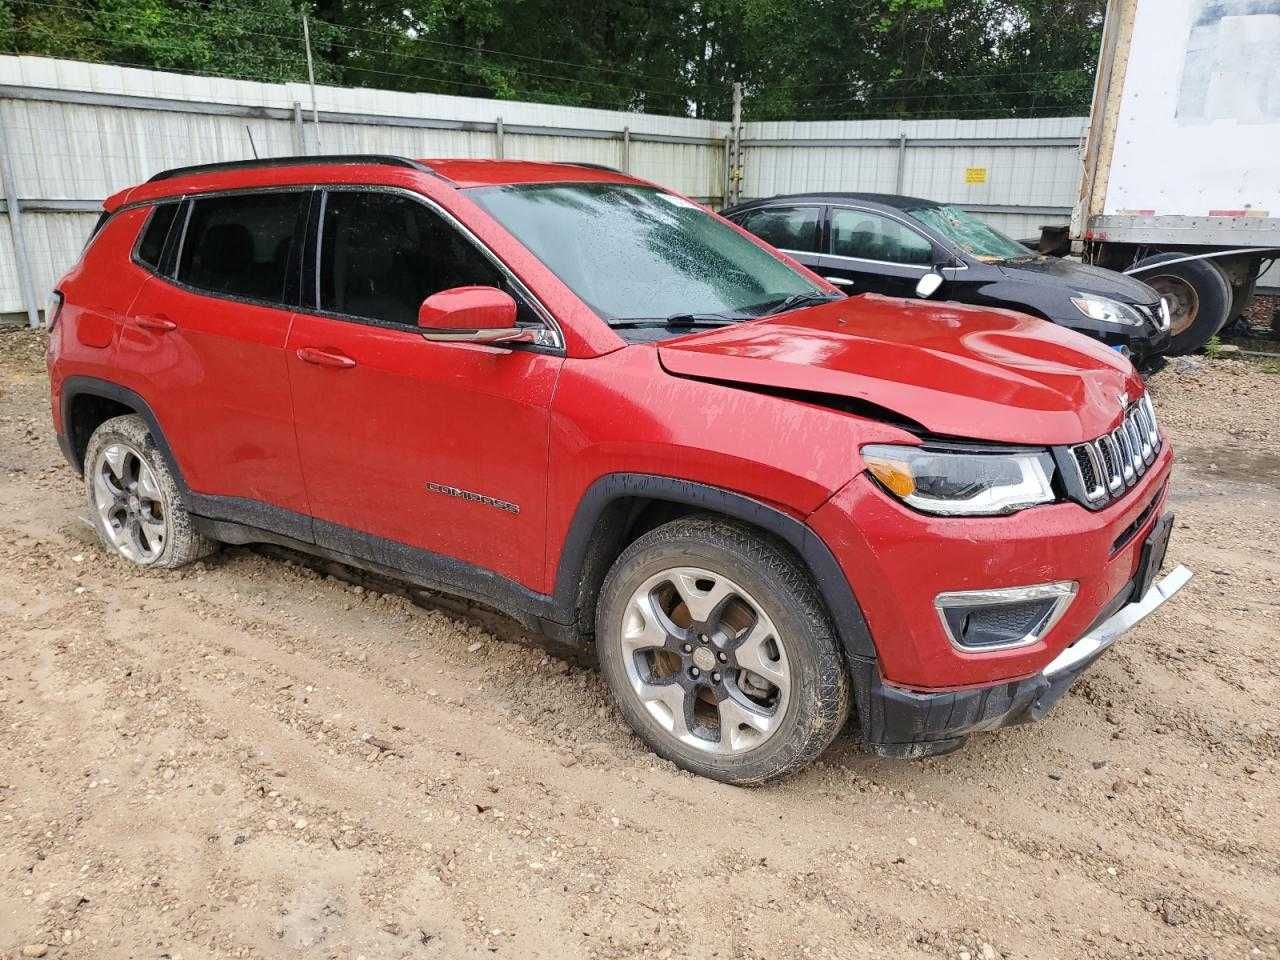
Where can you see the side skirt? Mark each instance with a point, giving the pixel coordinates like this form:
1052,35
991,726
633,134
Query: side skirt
216,517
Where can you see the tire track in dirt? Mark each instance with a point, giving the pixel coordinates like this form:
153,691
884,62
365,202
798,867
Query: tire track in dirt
144,720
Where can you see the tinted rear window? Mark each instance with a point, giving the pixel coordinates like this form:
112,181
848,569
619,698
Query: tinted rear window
240,245
155,233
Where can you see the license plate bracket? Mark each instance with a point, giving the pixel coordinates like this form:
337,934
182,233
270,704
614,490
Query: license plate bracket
1152,556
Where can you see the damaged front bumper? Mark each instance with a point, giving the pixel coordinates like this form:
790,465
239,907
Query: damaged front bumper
897,722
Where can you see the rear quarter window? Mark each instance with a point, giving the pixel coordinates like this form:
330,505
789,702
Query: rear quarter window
155,233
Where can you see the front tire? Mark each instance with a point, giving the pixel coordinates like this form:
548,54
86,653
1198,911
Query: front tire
134,502
719,652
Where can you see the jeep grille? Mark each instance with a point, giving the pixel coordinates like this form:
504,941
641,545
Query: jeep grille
1114,462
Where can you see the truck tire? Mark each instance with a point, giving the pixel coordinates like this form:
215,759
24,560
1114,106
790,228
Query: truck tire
1199,296
134,503
719,653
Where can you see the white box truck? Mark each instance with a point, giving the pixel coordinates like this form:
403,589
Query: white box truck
1181,175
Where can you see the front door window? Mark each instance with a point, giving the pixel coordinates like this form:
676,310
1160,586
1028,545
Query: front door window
865,235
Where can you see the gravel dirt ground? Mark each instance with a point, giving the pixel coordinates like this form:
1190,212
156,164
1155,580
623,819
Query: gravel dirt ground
253,758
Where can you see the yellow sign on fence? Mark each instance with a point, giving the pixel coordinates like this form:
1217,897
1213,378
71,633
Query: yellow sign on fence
975,174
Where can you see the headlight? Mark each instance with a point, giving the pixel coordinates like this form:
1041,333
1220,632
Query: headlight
962,483
1107,311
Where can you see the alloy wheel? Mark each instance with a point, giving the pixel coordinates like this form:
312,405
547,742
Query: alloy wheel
129,503
705,660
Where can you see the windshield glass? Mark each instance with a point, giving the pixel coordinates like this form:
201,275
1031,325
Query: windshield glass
635,252
970,234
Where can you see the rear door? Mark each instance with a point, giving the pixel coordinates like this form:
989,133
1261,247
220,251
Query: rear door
873,252
206,336
440,448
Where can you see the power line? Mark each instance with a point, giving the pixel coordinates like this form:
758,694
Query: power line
945,78
419,38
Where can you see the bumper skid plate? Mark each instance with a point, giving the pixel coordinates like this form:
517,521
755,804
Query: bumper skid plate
898,722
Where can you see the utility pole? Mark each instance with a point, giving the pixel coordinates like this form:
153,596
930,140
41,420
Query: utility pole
735,148
311,79
21,261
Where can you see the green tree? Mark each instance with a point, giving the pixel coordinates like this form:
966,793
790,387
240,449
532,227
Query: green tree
802,59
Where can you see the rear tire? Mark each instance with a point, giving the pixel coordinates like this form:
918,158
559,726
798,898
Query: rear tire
134,501
1199,295
719,652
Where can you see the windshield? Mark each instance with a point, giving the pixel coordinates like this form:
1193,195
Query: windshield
636,253
970,234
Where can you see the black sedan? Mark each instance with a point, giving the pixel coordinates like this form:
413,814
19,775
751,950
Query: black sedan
907,247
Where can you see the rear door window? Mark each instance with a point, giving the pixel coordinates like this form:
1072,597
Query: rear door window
787,228
865,235
382,254
243,245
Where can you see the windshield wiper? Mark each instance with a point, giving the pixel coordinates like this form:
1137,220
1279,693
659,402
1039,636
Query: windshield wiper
677,320
797,300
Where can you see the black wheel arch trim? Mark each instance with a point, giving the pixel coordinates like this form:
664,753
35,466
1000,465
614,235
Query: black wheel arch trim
78,386
832,584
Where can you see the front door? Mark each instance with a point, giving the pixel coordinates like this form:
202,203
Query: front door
875,253
416,452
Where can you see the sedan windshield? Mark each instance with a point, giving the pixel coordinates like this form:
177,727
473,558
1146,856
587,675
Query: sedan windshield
970,234
637,255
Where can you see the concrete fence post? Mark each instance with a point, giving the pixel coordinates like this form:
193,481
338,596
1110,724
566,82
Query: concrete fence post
626,149
299,130
499,147
14,208
902,162
735,151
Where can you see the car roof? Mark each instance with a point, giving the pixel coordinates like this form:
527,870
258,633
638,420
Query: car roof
460,173
892,200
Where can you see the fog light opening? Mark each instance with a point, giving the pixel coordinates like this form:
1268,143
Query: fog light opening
1005,618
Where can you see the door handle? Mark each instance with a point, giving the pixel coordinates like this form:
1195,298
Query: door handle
325,358
159,323
839,281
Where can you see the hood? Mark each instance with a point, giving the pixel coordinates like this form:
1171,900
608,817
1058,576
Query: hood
957,371
1083,277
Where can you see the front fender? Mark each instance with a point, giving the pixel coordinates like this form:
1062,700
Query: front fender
586,531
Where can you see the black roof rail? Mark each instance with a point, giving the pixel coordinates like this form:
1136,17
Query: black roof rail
373,158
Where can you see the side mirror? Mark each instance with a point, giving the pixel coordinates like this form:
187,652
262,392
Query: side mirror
929,284
471,315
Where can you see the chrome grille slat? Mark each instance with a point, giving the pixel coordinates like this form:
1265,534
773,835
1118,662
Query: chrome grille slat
1111,457
1106,467
1126,455
1135,441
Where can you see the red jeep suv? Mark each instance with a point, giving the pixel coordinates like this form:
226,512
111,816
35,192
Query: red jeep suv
594,405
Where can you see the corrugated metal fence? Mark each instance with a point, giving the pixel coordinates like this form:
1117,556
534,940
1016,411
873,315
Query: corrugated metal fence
1017,174
73,133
